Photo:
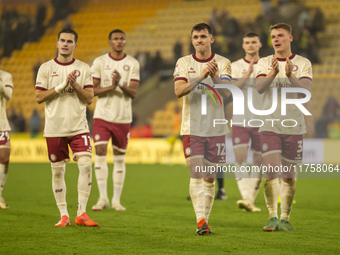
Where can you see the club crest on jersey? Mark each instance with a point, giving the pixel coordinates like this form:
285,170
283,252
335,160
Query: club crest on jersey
126,68
77,73
295,68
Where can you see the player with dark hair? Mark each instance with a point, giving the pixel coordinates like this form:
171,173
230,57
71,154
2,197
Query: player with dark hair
65,85
203,144
243,73
116,81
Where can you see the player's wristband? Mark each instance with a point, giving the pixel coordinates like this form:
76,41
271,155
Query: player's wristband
120,84
60,87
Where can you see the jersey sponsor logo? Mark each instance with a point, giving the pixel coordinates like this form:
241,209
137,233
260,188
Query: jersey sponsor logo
107,67
54,74
191,70
126,67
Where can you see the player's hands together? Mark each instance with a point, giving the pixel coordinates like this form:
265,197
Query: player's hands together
115,75
251,66
289,67
275,65
213,68
72,78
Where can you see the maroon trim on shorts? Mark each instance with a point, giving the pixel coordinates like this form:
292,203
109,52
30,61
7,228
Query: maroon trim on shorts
40,88
181,79
205,60
64,64
117,59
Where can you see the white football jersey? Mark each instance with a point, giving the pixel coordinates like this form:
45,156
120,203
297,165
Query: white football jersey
193,122
302,70
239,68
115,106
65,114
6,89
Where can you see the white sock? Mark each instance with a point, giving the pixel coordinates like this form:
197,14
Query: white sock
84,183
287,197
197,197
3,176
242,180
271,195
101,171
255,183
119,170
59,186
209,192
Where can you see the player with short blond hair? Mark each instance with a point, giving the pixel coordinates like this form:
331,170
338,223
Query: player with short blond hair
282,145
65,85
6,89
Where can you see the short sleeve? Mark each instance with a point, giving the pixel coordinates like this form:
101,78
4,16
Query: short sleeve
235,71
88,77
225,73
135,75
307,71
95,69
180,72
261,69
42,78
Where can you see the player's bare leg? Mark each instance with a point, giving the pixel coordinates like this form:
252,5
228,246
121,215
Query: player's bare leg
4,162
119,170
272,190
101,172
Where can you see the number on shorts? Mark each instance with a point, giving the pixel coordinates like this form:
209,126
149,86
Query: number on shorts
220,149
85,140
3,135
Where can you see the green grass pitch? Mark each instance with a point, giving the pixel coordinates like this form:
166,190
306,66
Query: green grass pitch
159,219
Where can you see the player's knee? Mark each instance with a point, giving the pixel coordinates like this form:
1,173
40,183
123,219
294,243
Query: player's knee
85,164
119,159
101,150
58,169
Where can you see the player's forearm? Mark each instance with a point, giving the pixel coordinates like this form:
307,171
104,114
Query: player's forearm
102,90
129,91
263,83
46,95
297,83
85,95
225,93
240,83
184,89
